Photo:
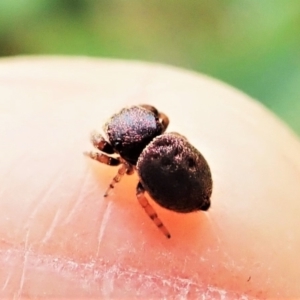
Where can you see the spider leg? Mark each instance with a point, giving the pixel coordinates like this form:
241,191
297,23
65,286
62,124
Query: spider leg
100,143
140,194
103,158
124,169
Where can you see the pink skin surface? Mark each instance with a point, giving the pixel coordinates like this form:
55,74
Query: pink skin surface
60,238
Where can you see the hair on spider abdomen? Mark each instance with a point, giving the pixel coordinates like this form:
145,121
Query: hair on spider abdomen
170,169
175,174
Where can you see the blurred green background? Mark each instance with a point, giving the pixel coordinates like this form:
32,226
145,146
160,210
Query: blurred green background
253,45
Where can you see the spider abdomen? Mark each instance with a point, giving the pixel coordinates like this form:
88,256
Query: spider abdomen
175,174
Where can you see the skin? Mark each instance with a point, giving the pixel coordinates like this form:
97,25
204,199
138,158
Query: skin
60,238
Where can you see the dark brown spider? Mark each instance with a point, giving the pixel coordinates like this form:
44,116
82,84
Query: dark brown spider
170,169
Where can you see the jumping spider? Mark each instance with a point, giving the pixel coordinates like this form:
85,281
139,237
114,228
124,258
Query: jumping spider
170,169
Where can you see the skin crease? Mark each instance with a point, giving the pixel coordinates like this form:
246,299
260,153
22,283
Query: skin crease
60,238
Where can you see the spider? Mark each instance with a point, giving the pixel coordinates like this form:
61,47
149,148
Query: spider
170,169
